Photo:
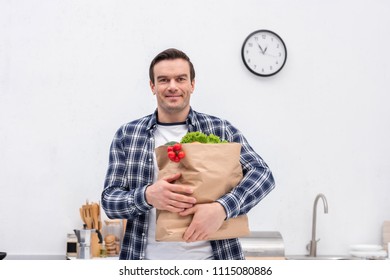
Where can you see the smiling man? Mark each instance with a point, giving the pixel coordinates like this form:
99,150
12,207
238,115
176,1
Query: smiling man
173,85
133,192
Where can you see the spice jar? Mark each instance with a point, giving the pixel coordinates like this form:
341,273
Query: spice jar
103,250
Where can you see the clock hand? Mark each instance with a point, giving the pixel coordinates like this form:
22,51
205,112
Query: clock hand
261,49
265,49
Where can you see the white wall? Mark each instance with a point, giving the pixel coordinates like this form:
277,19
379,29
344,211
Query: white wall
71,72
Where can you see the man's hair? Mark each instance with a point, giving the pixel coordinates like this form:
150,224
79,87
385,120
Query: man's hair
170,54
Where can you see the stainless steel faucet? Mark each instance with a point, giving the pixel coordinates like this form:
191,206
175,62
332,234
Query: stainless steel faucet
313,242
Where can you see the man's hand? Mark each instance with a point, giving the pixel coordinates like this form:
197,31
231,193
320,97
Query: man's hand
164,195
208,218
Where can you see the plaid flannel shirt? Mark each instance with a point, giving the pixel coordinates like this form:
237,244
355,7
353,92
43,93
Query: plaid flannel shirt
130,172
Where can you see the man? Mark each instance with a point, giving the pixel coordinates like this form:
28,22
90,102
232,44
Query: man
133,192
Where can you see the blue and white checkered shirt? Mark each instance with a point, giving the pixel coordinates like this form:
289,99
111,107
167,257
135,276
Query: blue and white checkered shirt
131,170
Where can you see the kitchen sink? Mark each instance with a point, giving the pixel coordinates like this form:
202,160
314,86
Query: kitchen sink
320,257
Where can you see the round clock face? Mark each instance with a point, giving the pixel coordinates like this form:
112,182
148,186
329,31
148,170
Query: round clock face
264,53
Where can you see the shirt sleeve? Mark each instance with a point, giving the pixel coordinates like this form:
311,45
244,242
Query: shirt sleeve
119,199
256,183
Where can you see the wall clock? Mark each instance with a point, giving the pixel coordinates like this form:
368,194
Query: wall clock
264,53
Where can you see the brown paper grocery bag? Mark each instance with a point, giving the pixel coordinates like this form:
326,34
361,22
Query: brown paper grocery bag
212,170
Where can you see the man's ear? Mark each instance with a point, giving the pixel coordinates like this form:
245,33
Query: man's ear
152,87
193,85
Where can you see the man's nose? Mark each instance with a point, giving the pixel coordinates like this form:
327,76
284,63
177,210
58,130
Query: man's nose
172,85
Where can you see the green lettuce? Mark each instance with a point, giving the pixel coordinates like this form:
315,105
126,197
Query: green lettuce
200,137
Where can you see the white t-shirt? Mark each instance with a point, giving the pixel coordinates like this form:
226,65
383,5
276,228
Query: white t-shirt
172,250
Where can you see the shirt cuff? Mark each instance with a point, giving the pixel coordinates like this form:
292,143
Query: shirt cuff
140,199
231,205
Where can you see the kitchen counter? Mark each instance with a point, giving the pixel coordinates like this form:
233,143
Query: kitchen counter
35,257
95,258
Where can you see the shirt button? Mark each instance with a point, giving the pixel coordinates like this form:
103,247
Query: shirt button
150,159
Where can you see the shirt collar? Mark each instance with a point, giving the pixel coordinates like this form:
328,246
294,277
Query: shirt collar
153,121
192,121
